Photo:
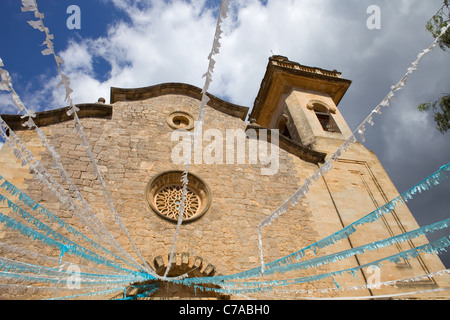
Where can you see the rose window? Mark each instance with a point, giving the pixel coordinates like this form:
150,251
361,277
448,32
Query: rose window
164,196
168,202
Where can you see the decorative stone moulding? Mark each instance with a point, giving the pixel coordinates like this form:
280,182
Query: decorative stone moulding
136,94
183,261
164,196
311,104
180,120
49,117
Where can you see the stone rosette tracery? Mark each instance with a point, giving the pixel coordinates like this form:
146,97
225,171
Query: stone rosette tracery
164,196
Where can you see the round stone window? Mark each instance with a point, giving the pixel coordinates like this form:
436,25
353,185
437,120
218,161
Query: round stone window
180,120
164,196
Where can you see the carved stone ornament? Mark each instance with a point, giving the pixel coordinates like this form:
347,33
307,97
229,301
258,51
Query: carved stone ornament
164,196
180,120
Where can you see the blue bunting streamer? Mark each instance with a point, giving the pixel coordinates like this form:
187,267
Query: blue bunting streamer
149,289
8,265
58,280
50,290
46,229
141,295
331,258
42,259
424,185
282,265
432,180
71,248
42,175
224,6
90,294
13,190
434,247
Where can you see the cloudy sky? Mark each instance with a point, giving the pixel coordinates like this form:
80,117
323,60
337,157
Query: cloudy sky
135,43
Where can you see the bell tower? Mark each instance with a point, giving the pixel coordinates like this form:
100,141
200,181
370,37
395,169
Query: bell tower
301,102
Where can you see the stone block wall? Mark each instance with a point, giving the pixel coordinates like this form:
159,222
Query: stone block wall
134,146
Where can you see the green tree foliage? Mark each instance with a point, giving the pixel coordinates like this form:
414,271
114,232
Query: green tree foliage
441,112
437,22
441,107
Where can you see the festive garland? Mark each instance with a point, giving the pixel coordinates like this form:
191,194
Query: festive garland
42,259
13,190
42,175
31,6
327,166
199,124
70,248
433,247
280,266
377,285
426,184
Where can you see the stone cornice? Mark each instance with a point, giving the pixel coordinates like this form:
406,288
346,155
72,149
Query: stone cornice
101,110
136,94
46,118
293,147
282,74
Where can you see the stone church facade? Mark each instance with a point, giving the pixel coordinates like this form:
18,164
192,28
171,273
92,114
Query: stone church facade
132,140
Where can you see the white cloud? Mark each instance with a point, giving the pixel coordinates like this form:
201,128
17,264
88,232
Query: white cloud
169,41
6,104
77,58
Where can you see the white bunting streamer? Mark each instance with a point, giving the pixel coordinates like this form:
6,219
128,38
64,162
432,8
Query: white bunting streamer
360,130
277,293
35,207
34,290
384,296
41,259
434,247
43,176
59,239
110,282
31,5
198,126
86,210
